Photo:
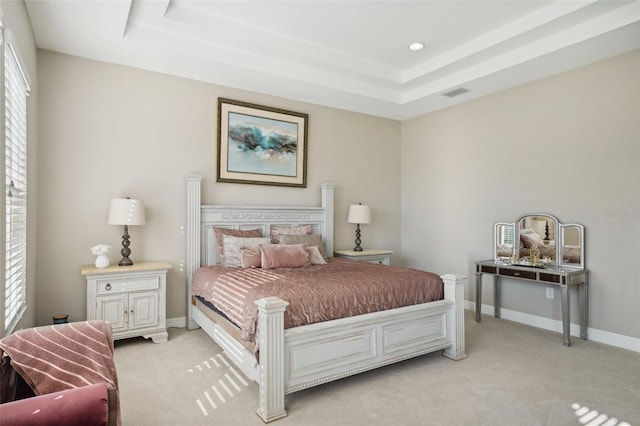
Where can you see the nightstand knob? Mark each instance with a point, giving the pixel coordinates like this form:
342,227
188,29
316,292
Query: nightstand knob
108,286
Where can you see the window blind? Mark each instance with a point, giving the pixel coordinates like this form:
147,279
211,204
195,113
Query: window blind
16,90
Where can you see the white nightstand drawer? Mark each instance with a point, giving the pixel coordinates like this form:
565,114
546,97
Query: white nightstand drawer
378,260
118,285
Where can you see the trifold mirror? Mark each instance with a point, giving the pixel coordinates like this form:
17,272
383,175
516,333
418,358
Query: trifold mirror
539,240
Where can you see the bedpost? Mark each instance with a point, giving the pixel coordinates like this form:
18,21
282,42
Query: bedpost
271,352
327,203
454,291
193,238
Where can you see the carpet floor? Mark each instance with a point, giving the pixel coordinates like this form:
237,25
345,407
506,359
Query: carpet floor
514,375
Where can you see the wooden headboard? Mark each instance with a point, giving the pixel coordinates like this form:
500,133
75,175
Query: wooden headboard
201,219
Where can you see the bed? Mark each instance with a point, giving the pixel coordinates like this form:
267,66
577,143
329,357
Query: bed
285,360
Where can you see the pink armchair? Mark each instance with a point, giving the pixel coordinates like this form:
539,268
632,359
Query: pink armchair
59,375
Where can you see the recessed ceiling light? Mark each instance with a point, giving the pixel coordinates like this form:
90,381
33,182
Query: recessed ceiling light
414,47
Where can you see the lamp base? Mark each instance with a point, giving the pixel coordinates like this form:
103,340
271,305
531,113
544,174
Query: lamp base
126,251
125,262
358,241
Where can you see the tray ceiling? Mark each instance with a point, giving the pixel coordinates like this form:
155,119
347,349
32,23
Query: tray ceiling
351,55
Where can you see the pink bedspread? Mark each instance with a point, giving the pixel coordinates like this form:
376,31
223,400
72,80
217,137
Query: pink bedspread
315,293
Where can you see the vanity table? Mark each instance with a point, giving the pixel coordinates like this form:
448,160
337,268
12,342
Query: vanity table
548,275
539,249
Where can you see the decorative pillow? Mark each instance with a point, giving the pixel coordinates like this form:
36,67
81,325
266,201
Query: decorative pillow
532,240
250,257
232,246
284,256
276,231
310,240
315,257
220,232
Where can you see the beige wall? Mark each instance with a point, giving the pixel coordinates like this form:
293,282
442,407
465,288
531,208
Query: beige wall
17,21
110,131
568,145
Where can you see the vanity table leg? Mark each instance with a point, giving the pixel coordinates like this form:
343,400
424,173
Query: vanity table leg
496,295
564,300
583,296
478,295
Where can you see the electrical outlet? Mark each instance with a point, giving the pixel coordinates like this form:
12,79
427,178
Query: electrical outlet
550,293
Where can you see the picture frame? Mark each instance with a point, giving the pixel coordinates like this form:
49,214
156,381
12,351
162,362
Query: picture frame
261,145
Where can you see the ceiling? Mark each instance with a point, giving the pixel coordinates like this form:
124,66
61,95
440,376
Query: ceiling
351,55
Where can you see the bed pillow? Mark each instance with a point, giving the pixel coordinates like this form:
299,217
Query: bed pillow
315,257
310,240
276,231
532,240
220,232
250,257
284,256
232,246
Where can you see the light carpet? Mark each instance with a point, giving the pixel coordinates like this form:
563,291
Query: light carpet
514,375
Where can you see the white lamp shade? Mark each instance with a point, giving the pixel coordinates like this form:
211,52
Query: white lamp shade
359,213
125,211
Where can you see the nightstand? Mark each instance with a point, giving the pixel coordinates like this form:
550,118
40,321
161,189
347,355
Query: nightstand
132,298
380,256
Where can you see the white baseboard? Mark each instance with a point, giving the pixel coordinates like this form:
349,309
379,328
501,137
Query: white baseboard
180,322
613,339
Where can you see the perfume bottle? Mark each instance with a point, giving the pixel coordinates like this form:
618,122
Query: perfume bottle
534,256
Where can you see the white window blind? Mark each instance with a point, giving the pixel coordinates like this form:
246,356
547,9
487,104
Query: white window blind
506,235
16,90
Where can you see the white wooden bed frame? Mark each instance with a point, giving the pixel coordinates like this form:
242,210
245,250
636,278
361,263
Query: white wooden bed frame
306,356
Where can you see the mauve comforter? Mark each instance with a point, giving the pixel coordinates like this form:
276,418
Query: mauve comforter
315,293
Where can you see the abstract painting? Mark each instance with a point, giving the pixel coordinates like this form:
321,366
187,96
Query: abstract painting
261,145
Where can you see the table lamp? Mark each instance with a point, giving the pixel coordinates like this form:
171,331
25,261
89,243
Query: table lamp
125,211
358,214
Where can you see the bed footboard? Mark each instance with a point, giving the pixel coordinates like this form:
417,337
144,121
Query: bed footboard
306,356
271,347
454,291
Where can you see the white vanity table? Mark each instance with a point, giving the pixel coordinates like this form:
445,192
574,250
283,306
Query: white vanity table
539,249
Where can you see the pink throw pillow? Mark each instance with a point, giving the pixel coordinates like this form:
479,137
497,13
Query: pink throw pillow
276,231
310,240
315,257
284,256
250,257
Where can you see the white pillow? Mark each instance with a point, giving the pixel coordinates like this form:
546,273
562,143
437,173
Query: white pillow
232,246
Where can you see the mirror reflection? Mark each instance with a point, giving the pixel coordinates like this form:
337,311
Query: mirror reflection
538,232
504,233
539,240
572,245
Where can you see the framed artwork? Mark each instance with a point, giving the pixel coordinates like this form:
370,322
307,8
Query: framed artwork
261,145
